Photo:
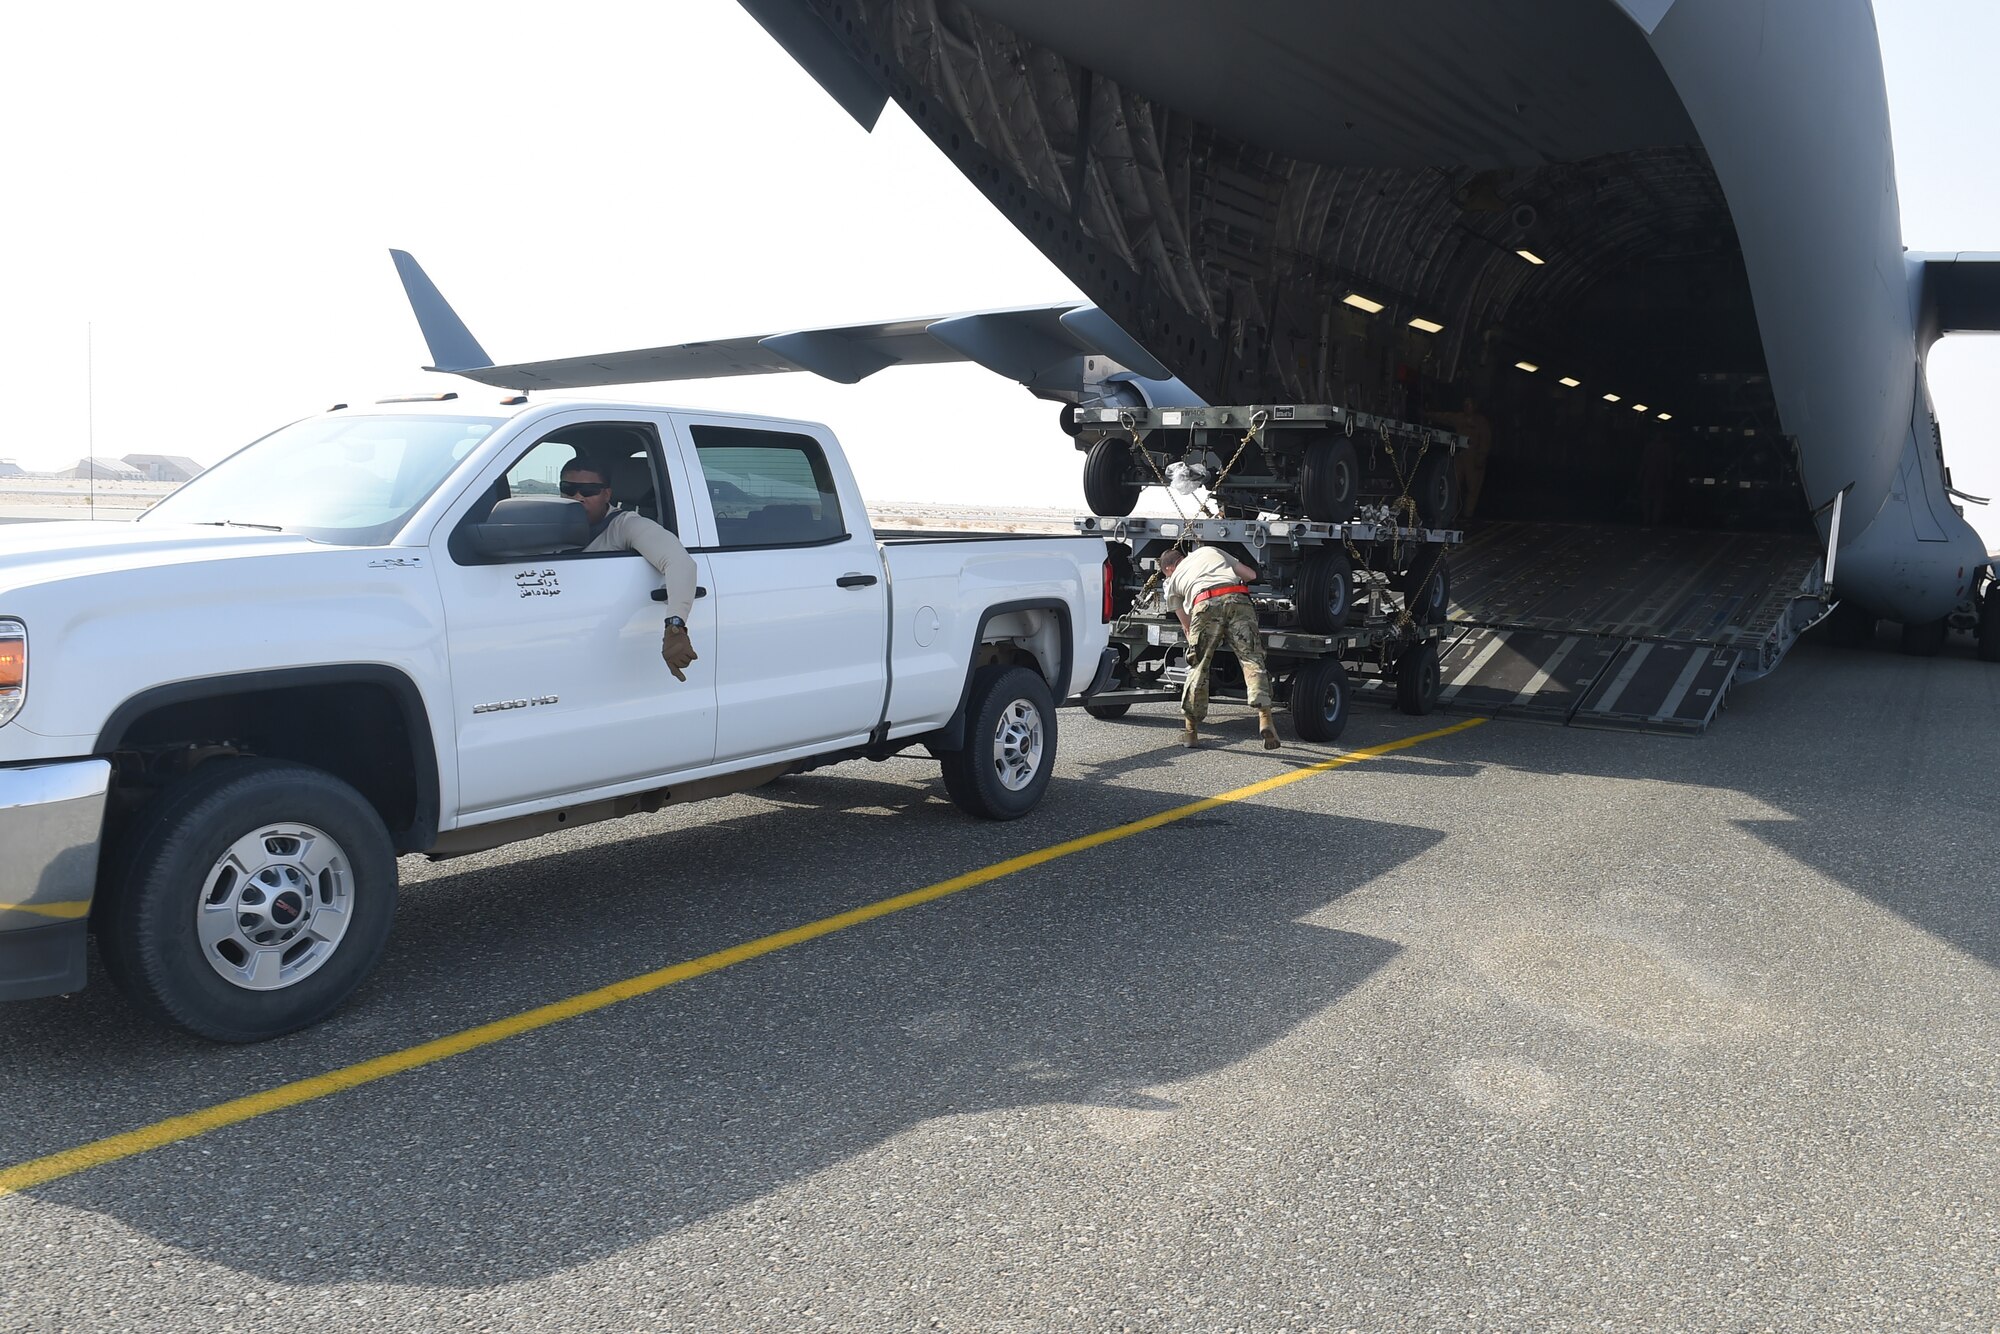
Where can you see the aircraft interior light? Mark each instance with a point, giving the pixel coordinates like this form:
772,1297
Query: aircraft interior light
1360,302
1666,416
1638,407
1428,326
1613,398
1528,366
1531,257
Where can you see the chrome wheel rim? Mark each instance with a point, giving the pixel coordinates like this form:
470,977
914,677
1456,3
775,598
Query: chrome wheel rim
274,907
1017,745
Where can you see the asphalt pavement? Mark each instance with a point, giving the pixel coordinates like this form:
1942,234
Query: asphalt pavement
1521,1027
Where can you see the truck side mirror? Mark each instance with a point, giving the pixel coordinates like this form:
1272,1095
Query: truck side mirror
529,526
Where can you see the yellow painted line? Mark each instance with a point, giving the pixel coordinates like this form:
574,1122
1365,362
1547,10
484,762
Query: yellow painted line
67,912
40,1171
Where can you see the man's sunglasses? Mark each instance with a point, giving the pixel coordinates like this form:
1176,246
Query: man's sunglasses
582,488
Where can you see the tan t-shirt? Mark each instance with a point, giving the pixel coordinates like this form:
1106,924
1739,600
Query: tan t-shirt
1203,569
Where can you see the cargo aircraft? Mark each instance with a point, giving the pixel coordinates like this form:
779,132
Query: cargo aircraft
1652,247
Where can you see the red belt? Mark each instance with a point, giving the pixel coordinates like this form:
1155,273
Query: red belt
1222,592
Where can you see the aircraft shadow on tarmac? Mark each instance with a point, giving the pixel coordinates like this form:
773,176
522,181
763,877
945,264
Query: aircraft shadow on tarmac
1092,982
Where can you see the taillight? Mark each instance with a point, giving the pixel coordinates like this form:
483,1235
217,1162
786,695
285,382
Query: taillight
1110,590
13,669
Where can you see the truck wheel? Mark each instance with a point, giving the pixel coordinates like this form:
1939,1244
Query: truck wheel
1989,626
1110,482
254,901
1418,679
1109,712
1325,591
1434,488
1330,479
1010,745
1925,639
1426,586
1319,700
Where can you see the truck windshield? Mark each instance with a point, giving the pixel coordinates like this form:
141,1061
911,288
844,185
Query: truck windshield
351,481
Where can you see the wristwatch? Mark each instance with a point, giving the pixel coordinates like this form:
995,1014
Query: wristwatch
676,623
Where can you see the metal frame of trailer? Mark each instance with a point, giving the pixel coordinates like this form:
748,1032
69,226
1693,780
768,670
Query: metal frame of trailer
1320,461
1384,642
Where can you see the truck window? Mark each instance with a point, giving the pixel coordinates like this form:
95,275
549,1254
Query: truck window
623,453
346,480
768,488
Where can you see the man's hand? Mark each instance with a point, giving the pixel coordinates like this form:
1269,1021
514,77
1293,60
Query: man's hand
676,651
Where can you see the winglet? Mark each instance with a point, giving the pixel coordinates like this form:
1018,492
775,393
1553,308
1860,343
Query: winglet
453,348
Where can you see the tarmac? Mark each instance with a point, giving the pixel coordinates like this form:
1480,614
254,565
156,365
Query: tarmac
1520,1027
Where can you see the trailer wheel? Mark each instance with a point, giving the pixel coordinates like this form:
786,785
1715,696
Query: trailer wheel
1419,679
1426,586
1434,488
1325,591
255,901
1989,626
1330,479
1110,482
1925,639
1010,745
1319,700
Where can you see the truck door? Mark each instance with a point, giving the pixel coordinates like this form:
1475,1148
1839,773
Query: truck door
555,659
800,604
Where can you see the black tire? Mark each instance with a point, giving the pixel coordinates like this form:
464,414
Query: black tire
1109,712
973,776
1110,478
1989,626
1426,586
1319,700
1419,679
147,914
1330,479
1925,639
1325,591
1850,627
1434,488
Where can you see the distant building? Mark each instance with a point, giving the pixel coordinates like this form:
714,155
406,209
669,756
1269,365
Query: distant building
9,468
164,467
104,470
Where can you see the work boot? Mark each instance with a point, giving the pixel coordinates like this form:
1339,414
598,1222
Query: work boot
1188,736
1267,729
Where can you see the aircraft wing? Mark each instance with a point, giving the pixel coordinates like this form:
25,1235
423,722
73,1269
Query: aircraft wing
1041,347
1964,289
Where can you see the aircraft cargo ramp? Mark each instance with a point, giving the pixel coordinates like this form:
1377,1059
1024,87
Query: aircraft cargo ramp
1612,626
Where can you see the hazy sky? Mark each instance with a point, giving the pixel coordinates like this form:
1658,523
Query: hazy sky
212,190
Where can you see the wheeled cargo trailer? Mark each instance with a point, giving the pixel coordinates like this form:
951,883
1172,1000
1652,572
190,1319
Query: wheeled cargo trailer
1342,608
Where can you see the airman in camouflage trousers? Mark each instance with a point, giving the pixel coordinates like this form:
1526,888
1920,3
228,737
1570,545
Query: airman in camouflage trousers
1207,590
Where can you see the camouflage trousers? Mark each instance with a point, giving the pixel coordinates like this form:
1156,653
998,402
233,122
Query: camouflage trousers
1225,622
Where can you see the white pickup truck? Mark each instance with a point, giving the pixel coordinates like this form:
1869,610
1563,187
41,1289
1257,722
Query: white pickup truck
372,633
